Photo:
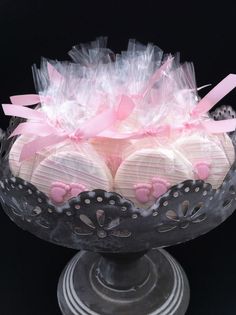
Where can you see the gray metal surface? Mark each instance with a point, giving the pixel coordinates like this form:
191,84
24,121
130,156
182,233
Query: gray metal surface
164,291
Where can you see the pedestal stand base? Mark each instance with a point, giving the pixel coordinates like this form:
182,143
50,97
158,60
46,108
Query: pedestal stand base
153,284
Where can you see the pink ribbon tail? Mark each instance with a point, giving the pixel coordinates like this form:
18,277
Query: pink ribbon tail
125,108
33,128
106,119
23,112
215,95
220,126
25,100
97,124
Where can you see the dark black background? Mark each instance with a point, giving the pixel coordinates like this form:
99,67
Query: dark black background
205,34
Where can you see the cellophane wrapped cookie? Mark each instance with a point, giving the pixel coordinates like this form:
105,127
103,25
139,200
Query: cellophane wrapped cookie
130,123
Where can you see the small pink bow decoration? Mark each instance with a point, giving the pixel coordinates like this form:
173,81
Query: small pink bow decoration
47,134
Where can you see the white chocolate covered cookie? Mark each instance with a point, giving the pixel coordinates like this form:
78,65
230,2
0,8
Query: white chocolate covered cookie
210,156
227,144
24,168
147,173
69,171
111,150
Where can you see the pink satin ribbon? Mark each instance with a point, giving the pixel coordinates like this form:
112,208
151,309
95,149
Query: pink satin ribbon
25,100
99,125
196,122
49,135
215,95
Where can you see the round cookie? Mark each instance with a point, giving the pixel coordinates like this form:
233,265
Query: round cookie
227,144
67,172
111,150
24,168
207,156
148,173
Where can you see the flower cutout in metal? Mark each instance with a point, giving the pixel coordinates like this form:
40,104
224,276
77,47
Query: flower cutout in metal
182,217
101,226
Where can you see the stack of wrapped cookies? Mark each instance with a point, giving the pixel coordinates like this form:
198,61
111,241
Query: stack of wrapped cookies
130,123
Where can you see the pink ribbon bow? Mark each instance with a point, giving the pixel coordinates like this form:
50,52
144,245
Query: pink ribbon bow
48,134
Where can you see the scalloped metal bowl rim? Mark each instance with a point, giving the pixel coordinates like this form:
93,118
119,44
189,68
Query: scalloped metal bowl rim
145,212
